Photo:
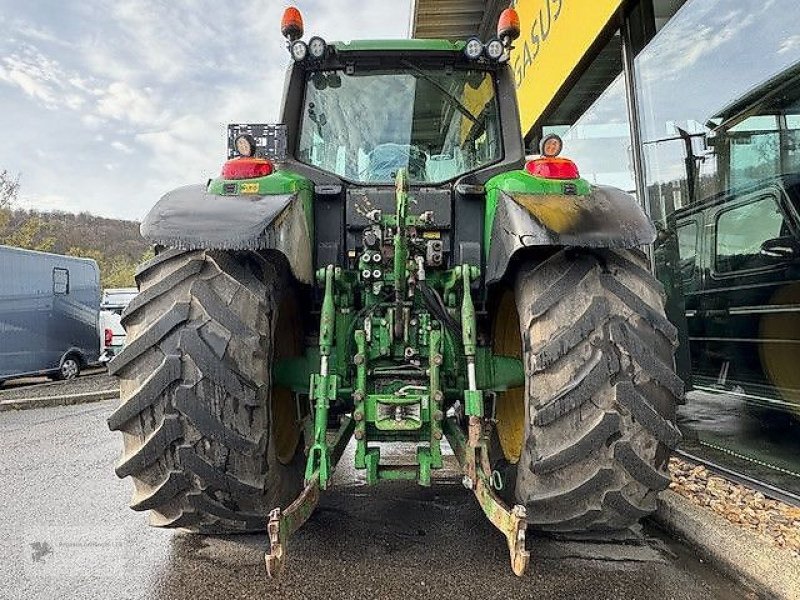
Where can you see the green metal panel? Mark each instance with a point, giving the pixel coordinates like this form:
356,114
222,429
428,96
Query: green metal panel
279,182
521,182
399,45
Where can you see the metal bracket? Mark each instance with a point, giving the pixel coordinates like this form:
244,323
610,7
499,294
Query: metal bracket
283,523
471,455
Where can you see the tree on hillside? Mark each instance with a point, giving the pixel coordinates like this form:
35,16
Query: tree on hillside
9,189
32,233
116,245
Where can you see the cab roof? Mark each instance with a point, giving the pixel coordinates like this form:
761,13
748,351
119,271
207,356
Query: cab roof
399,45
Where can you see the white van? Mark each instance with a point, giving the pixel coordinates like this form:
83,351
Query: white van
112,335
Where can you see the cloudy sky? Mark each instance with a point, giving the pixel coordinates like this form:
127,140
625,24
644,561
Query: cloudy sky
107,104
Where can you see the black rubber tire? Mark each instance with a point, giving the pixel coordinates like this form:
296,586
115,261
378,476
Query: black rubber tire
70,368
601,390
195,383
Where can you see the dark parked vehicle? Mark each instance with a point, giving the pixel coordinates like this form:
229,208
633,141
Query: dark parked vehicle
49,306
740,272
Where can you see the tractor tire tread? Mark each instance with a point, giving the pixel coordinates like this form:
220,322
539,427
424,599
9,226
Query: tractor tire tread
561,287
213,477
154,445
195,388
175,483
591,441
601,390
167,372
639,469
143,270
641,410
177,314
162,287
568,338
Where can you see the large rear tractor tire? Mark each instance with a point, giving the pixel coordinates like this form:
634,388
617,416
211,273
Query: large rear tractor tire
585,445
210,446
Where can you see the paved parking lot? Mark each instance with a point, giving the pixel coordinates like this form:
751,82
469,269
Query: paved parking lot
66,532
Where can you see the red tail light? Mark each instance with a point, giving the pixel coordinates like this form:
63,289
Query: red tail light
247,168
553,168
108,337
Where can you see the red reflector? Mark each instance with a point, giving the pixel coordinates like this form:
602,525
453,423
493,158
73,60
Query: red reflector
108,336
552,168
246,168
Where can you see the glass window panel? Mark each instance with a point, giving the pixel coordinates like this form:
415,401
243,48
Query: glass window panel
741,231
687,248
598,138
437,124
718,90
753,156
60,281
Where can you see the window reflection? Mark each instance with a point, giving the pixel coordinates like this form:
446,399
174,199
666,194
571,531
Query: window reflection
597,133
744,233
721,126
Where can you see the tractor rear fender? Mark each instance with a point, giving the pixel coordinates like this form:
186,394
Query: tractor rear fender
192,218
586,216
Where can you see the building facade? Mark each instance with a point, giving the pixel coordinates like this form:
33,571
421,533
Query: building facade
693,106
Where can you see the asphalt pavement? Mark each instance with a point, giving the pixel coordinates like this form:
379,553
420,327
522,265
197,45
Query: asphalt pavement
66,532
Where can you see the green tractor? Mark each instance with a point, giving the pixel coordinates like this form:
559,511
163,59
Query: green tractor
385,266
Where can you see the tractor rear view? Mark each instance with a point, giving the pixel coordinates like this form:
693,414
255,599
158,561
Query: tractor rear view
385,266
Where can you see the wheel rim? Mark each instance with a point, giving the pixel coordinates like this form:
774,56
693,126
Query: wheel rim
69,368
285,427
509,405
781,366
284,424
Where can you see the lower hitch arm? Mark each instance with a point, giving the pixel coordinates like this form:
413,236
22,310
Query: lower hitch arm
512,522
472,453
283,523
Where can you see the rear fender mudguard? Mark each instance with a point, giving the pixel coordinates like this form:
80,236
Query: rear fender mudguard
605,217
191,218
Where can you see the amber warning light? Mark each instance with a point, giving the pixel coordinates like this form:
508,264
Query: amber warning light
508,26
292,24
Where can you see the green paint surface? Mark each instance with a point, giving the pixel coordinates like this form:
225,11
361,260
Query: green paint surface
278,183
399,45
522,182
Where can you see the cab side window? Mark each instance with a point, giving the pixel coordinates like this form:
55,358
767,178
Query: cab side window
687,249
60,281
742,231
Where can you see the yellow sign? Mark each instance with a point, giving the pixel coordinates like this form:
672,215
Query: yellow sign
248,188
555,36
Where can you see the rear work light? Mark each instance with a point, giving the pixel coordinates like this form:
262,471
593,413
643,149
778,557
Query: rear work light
247,168
553,168
108,337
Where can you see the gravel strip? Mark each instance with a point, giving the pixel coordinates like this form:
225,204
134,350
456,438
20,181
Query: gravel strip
742,506
83,384
48,401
